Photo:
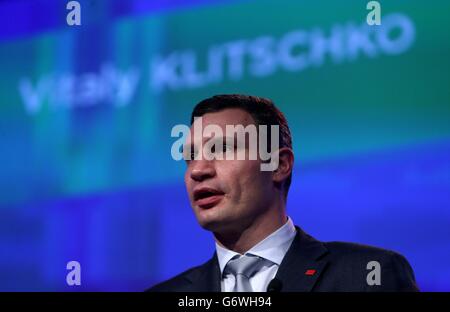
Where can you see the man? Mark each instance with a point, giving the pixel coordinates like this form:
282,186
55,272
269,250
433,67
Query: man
258,248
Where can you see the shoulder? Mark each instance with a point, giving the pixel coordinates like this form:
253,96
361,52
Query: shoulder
345,249
352,253
353,260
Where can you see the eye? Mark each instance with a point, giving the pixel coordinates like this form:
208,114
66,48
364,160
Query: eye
226,148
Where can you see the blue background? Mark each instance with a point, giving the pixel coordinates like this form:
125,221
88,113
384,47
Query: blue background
89,177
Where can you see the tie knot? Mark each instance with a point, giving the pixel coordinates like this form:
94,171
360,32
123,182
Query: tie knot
246,265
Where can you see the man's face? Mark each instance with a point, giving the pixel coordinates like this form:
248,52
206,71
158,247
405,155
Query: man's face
226,195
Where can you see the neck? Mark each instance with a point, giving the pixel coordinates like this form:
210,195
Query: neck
258,229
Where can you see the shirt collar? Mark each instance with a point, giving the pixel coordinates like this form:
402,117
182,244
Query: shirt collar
272,248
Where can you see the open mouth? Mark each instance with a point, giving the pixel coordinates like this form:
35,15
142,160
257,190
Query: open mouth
207,197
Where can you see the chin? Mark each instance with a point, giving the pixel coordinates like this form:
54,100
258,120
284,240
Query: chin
210,225
213,223
220,226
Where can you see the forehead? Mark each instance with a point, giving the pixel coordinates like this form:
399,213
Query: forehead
229,116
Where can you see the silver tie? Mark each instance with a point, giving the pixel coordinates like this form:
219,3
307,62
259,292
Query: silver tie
243,267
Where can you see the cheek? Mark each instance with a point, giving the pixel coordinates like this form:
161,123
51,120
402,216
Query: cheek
186,176
248,176
260,182
187,181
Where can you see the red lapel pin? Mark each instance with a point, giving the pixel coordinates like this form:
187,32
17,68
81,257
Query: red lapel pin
310,272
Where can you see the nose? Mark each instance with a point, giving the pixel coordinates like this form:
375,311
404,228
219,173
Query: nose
202,170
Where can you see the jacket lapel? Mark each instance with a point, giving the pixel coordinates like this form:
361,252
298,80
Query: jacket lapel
304,254
302,265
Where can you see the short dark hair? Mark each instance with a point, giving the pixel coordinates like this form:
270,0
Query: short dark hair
262,110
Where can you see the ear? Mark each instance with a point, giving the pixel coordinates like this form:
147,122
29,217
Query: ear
285,165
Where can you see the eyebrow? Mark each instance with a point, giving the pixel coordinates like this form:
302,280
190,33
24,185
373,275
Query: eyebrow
223,139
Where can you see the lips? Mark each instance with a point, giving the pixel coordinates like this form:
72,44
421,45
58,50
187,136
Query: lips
207,197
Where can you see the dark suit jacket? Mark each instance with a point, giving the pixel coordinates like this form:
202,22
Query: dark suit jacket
338,267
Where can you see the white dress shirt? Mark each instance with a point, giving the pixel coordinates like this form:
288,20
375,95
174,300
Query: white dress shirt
273,248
